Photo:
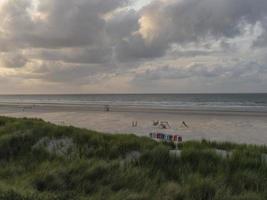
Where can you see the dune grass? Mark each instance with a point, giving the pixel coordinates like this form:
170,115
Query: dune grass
40,160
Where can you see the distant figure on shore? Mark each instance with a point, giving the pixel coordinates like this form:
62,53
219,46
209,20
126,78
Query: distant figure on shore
184,124
134,123
107,108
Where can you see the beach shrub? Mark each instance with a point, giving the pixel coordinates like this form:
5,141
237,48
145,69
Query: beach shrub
247,196
200,188
204,161
12,195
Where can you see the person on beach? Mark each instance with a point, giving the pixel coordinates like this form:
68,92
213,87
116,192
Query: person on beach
156,123
134,124
107,108
184,124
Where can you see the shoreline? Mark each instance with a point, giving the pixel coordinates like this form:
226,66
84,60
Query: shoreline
134,108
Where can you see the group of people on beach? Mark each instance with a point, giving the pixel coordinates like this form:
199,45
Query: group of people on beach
161,124
157,123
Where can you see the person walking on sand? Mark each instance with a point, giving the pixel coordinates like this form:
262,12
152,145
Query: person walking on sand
107,108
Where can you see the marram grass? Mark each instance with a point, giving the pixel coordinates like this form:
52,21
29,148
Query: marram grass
42,161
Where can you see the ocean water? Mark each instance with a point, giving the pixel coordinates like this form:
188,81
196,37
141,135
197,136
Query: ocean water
242,102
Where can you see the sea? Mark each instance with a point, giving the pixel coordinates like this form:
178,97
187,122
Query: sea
225,102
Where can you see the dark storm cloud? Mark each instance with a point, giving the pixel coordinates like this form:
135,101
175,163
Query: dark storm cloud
134,34
181,22
217,18
135,48
65,23
122,25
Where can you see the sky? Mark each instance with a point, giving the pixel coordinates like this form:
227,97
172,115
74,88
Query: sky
129,46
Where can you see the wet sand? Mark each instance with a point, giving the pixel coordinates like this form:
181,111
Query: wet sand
215,125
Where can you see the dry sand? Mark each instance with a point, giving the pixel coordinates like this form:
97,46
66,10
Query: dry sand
219,126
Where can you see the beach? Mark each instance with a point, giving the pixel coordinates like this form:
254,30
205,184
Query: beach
215,125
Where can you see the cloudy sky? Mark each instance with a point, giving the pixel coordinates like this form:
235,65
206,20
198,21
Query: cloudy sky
119,46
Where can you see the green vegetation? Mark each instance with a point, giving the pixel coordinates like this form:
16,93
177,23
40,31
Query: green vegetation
39,160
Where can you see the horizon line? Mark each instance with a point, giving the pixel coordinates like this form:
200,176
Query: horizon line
159,93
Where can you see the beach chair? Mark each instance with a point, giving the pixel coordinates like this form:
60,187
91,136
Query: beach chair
164,125
155,123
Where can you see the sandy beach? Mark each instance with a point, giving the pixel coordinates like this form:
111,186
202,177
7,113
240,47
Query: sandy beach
238,127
